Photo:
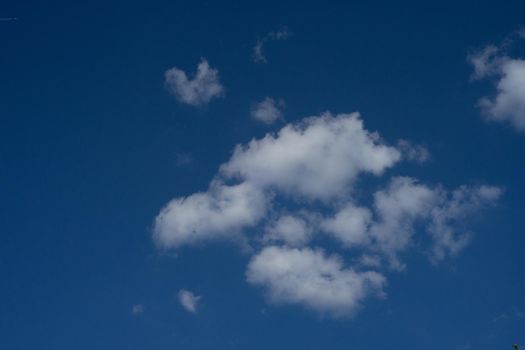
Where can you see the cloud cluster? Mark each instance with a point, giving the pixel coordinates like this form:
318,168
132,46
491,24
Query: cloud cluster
508,103
268,111
199,90
285,193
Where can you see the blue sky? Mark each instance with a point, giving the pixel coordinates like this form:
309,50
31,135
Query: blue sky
137,212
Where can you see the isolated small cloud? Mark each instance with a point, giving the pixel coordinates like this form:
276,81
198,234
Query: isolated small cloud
199,90
508,103
311,279
137,309
258,50
268,111
182,159
188,300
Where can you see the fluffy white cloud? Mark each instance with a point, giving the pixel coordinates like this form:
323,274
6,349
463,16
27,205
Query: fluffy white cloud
349,225
397,210
188,300
292,230
267,111
289,186
318,158
198,91
311,279
397,207
508,105
221,212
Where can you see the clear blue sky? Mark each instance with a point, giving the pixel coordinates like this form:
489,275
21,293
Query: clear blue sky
94,142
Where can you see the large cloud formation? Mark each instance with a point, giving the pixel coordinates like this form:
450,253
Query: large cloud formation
283,193
317,158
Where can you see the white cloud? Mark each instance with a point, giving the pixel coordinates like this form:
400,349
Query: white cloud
198,91
258,54
405,202
485,62
221,212
370,261
446,218
508,104
311,279
318,158
411,152
397,208
137,309
267,111
292,230
188,300
284,189
349,225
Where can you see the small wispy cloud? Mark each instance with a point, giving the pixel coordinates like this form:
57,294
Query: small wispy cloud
189,300
512,314
137,309
182,159
258,50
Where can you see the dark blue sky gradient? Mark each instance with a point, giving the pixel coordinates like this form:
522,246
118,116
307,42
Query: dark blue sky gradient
88,155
